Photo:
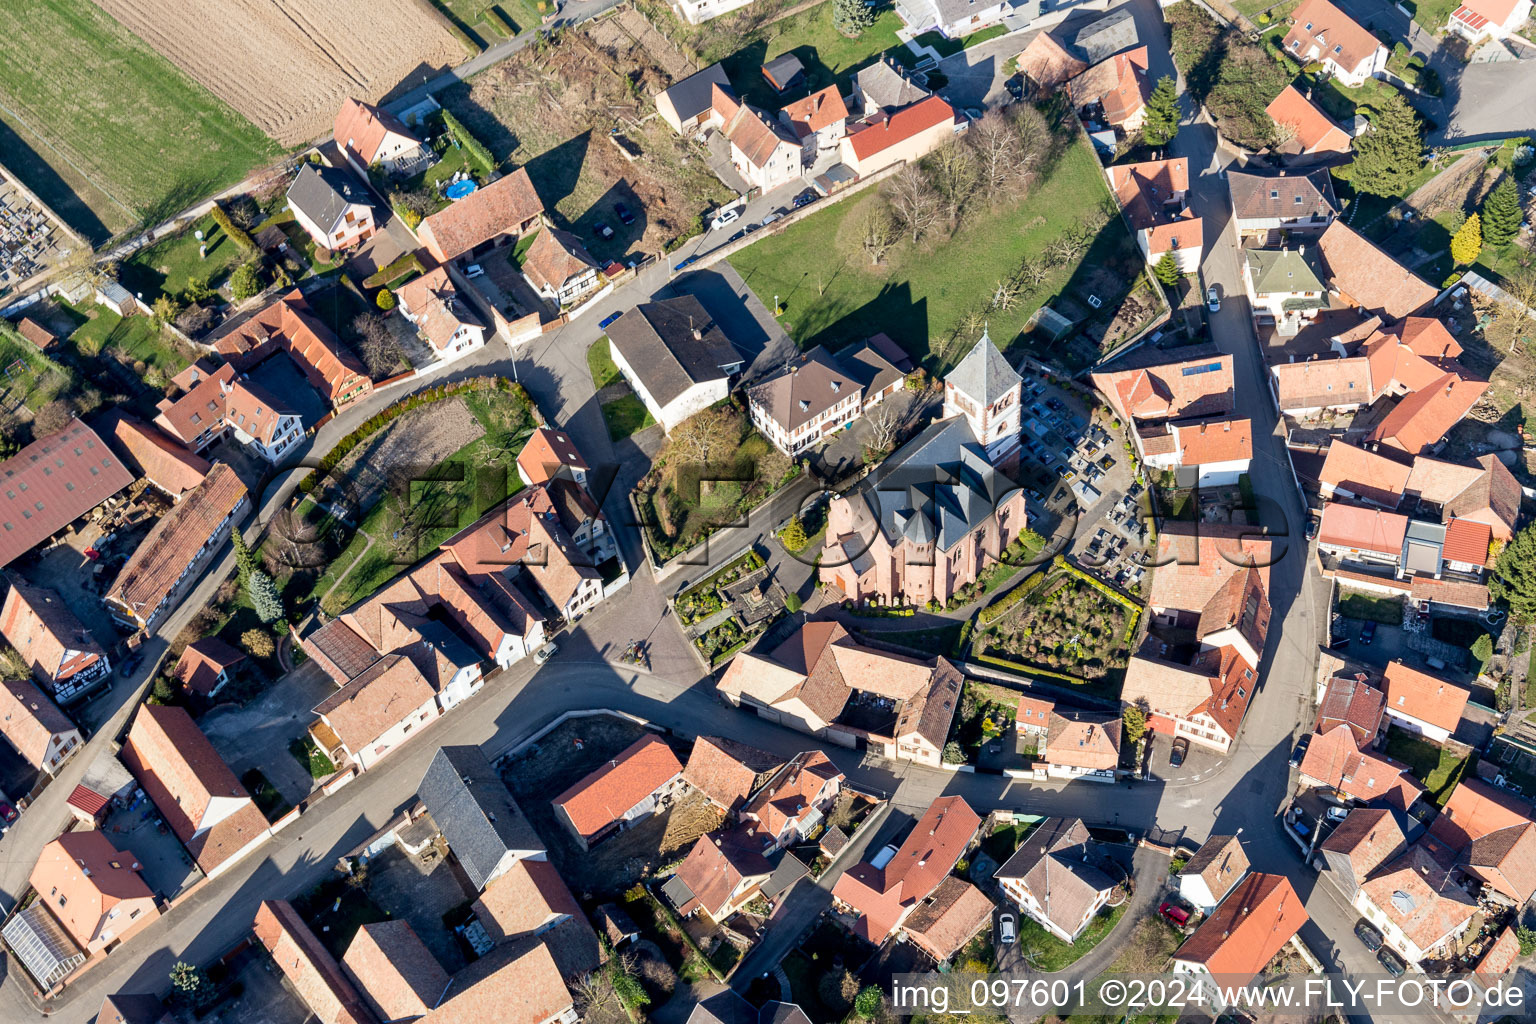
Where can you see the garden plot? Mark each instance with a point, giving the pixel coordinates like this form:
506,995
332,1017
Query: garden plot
1062,626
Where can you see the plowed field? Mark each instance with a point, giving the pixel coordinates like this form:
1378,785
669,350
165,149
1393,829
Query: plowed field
288,64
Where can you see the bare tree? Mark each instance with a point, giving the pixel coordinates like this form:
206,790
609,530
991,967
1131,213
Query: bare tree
952,168
703,437
1006,295
376,343
914,201
1033,272
1035,137
998,155
884,423
1512,318
881,232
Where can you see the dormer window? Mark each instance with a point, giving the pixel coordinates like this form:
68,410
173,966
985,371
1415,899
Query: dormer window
1274,193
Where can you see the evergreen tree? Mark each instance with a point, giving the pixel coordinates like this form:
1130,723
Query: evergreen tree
1468,241
264,597
852,17
1514,575
1162,116
1135,721
1167,270
245,561
1390,154
1502,214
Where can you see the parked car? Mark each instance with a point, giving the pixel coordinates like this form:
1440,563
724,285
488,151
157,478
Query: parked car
602,231
1300,751
806,198
775,215
1392,962
474,270
129,665
610,318
544,653
1015,87
1212,300
1368,631
1177,754
1007,928
1368,935
1174,913
7,813
623,213
690,261
1338,813
723,218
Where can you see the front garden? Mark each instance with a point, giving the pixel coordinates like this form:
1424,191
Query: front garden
1439,768
985,713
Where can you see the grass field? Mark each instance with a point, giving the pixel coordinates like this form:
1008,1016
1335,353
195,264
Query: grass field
1386,610
833,296
1045,952
1432,14
166,267
600,362
94,104
28,376
136,338
625,416
1438,768
827,54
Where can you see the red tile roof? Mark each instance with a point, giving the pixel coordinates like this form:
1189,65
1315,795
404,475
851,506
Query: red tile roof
817,111
1354,703
1248,929
388,692
395,970
288,325
900,126
1467,541
1315,130
1365,529
52,482
1369,277
1336,35
163,462
725,771
505,206
1219,441
1476,809
31,722
1425,697
1368,837
602,797
361,127
83,879
1435,907
308,965
1046,63
198,668
1368,475
42,629
556,257
719,867
517,982
36,333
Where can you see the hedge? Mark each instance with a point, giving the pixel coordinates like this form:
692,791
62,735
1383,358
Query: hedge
964,638
994,611
1029,670
474,149
236,233
882,613
1104,588
331,459
499,20
384,275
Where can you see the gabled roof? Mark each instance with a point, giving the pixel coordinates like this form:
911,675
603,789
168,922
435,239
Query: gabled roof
751,131
395,970
888,87
173,543
532,899
1159,386
36,333
1352,702
728,772
190,785
289,325
806,390
1220,862
1320,383
1368,529
604,795
1061,865
1369,837
947,919
1282,271
361,128
1315,130
1337,36
325,194
1417,894
198,668
819,110
503,206
673,344
39,625
308,965
1212,441
383,696
928,854
516,981
1369,277
983,375
1425,697
1083,741
1118,84
1506,859
162,461
1248,929
1047,63
1467,541
1194,564
82,878
691,96
438,309
475,811
547,452
717,866
1476,809
1368,475
1286,196
555,257
52,482
880,135
788,794
1422,418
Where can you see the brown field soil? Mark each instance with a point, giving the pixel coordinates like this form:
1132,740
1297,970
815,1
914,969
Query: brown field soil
552,109
288,67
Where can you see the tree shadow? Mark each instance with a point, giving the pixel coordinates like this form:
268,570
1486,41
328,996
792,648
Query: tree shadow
36,174
482,123
556,171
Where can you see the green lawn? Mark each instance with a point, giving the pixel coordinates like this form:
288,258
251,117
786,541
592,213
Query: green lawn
165,267
1045,952
32,376
302,241
473,17
1005,839
135,337
947,47
832,296
600,362
1342,102
1432,14
625,416
1438,768
1386,610
112,121
827,54
268,800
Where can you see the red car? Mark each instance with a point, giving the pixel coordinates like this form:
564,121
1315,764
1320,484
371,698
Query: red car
7,813
1175,913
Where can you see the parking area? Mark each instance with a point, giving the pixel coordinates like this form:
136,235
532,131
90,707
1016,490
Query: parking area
138,828
257,735
420,890
264,997
1199,762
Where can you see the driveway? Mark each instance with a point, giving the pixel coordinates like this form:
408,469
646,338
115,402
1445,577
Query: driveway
257,735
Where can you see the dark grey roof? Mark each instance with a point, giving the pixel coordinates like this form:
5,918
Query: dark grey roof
782,71
1050,835
475,810
872,368
888,87
1102,39
1262,196
691,96
677,891
937,488
984,374
673,345
724,1008
775,1012
325,193
1147,355
790,870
